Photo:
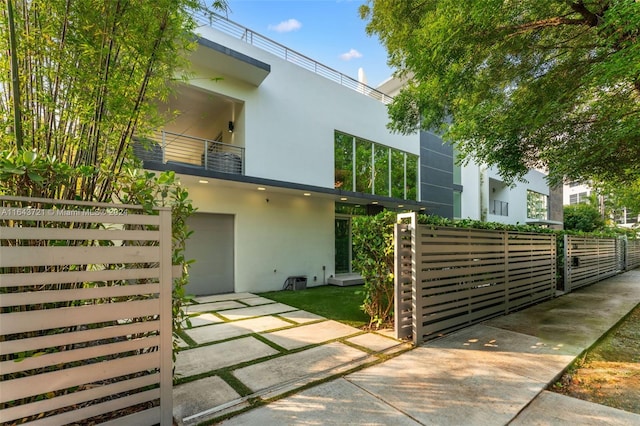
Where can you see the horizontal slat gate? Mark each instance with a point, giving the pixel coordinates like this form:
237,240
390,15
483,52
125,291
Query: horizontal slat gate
632,254
463,276
85,320
589,260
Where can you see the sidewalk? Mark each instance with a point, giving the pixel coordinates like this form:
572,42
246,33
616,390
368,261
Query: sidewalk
494,373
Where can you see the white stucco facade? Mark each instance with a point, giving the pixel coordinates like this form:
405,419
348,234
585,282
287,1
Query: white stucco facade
280,119
286,125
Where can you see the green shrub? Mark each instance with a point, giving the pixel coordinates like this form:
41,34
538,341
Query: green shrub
373,258
582,217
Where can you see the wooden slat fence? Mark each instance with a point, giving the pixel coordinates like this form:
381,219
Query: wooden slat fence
85,313
589,260
464,276
632,255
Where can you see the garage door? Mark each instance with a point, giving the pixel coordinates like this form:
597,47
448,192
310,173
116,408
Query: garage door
211,245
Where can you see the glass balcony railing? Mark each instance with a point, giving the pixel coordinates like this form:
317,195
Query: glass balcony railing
183,150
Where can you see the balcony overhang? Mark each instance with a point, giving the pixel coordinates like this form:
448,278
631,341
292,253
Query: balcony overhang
230,62
192,174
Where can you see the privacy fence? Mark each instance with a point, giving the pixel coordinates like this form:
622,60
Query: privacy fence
447,278
85,313
462,276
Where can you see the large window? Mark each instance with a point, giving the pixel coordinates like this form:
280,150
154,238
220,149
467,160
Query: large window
365,166
537,205
364,169
343,147
457,204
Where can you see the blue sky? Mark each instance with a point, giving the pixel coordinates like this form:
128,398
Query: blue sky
328,31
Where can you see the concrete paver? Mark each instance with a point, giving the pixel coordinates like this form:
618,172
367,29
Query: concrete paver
310,334
336,403
255,311
222,297
213,306
228,330
301,317
552,409
208,358
374,342
211,391
255,301
297,365
204,319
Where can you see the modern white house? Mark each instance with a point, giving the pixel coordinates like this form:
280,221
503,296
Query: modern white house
278,153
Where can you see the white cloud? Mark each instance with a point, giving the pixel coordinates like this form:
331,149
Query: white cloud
286,26
351,54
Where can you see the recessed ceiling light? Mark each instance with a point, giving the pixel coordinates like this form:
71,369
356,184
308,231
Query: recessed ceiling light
261,188
343,198
307,194
203,181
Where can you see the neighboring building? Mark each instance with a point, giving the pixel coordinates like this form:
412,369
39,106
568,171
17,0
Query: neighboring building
487,197
278,153
578,192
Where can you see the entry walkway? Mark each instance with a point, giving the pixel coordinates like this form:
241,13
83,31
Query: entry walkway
494,373
242,346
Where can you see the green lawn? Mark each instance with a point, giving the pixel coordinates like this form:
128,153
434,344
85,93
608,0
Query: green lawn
333,302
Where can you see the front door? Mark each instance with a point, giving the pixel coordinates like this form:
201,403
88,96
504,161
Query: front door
343,245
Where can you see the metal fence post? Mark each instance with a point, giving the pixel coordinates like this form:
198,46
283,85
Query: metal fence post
166,320
567,263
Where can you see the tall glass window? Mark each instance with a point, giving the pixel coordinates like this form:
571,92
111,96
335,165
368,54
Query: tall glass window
411,174
364,171
457,204
536,205
397,174
377,169
343,147
457,169
381,170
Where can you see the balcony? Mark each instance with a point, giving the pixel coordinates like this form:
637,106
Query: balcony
189,151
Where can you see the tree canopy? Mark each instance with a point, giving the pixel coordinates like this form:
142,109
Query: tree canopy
520,84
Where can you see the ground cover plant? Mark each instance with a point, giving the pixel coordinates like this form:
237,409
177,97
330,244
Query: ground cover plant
341,304
609,373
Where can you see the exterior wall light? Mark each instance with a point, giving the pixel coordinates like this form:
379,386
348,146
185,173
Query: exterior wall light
231,127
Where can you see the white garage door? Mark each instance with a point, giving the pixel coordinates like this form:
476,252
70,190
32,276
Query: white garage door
211,245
